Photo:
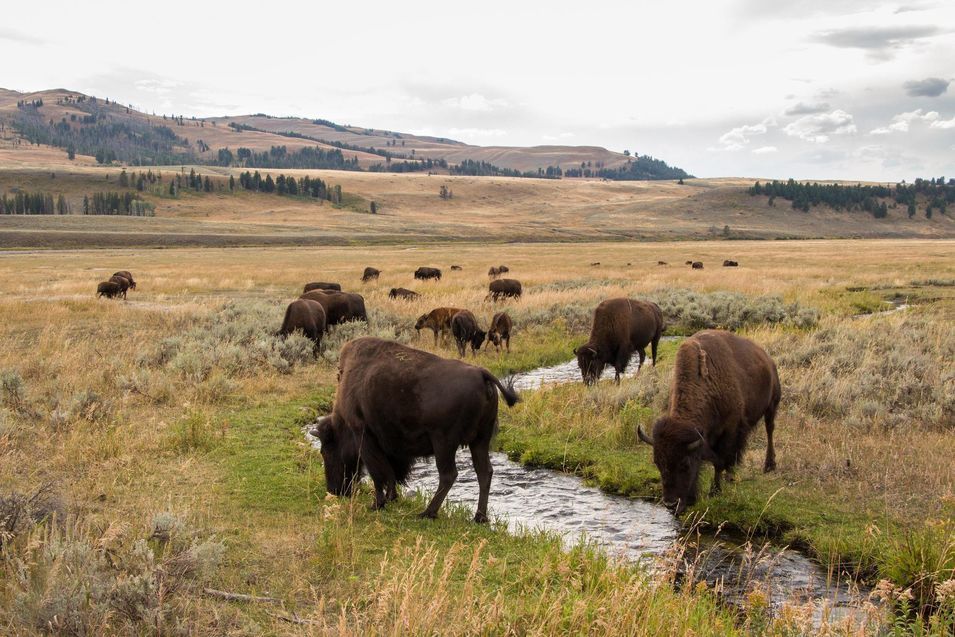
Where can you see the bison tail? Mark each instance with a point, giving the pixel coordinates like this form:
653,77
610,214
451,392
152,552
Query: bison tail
507,389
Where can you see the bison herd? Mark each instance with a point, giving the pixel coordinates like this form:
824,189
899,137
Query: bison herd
117,285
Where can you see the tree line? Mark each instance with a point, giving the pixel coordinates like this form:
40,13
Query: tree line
934,194
33,203
302,187
638,168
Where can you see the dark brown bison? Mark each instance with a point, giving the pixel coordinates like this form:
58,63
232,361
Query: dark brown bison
395,404
504,289
697,265
128,276
493,272
500,330
621,327
370,274
456,267
322,285
437,320
730,264
595,263
427,273
464,328
688,263
122,282
109,289
340,307
661,262
722,385
503,269
305,315
404,294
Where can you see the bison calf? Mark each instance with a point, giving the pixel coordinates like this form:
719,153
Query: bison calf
722,385
500,330
395,404
620,328
109,289
464,328
305,315
437,320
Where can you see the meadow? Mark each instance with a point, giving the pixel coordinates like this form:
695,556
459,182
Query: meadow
155,479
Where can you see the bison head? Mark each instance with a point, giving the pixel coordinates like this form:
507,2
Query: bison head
477,339
678,451
590,364
339,455
421,322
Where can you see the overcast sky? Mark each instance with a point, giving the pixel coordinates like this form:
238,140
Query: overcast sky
803,88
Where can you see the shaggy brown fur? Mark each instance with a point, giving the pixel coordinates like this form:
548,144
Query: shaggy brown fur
395,404
464,328
403,293
322,285
437,320
620,328
424,274
129,277
340,307
504,289
500,330
730,264
370,274
306,315
722,385
122,282
697,265
109,289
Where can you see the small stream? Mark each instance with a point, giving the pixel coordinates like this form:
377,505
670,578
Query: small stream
633,529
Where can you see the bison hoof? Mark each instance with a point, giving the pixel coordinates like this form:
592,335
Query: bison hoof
428,515
480,518
376,506
769,466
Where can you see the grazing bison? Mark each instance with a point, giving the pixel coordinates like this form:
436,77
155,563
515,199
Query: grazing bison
493,272
404,294
322,285
122,282
464,328
661,262
503,269
370,274
621,327
730,264
109,289
128,276
697,265
306,315
395,404
427,273
503,289
688,263
456,267
437,320
722,385
500,330
340,307
595,263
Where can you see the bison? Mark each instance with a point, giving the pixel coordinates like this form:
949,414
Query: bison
340,307
661,262
370,274
730,264
109,289
305,315
503,289
395,404
595,263
322,285
464,328
621,327
503,269
500,330
437,320
722,385
128,276
456,268
404,294
122,282
425,274
697,265
493,272
688,263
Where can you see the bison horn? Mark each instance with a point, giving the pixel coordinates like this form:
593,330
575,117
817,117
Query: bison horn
696,444
644,437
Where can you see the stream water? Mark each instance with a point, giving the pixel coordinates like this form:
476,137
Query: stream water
632,529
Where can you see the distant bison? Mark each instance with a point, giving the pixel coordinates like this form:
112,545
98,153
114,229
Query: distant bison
464,328
122,282
621,327
322,285
697,265
437,320
595,263
395,404
661,262
370,274
403,293
305,315
128,276
688,263
722,385
500,330
503,269
456,267
504,289
340,307
493,272
427,273
109,289
730,264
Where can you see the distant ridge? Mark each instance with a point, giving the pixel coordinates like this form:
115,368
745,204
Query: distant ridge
114,132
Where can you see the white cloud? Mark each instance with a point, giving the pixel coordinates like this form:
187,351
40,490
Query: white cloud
820,127
765,150
902,122
475,102
944,123
737,138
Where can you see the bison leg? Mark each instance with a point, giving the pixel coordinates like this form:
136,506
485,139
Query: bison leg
653,349
447,474
507,340
380,470
481,459
461,348
643,357
770,418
